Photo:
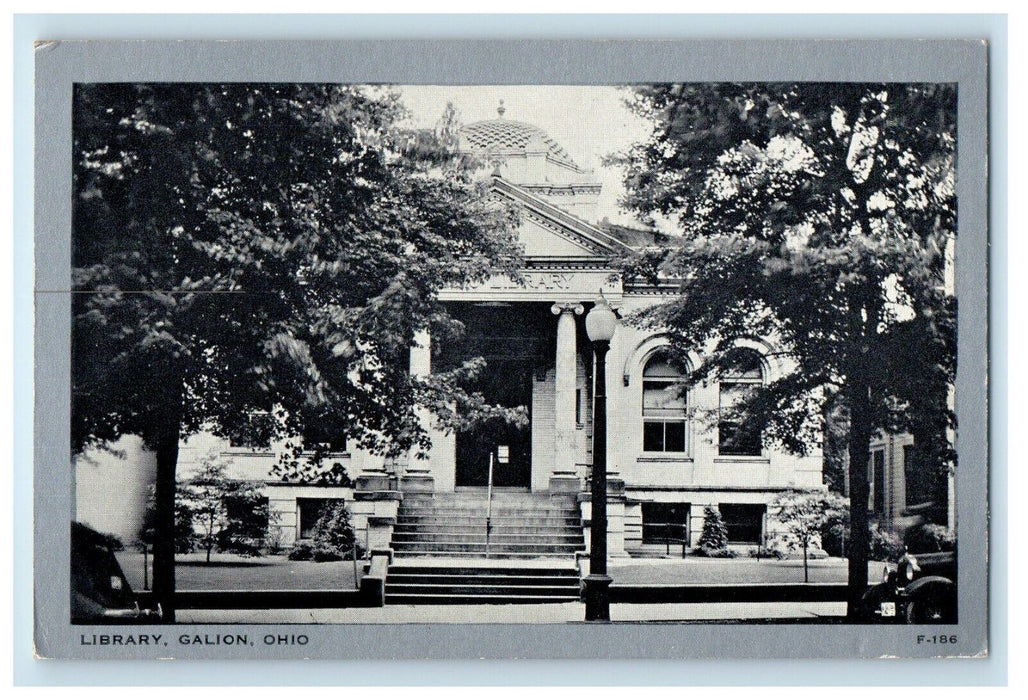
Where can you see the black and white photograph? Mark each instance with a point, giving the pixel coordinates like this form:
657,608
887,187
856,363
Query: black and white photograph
677,352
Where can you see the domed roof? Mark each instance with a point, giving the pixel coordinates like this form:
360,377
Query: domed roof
503,136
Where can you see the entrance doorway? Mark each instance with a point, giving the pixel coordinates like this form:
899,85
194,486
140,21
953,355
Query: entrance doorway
515,340
505,384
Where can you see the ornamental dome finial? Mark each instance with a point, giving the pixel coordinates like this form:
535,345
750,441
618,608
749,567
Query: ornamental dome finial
501,109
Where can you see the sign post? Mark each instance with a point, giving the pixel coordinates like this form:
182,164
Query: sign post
502,456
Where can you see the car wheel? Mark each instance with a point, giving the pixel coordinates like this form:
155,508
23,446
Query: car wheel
929,611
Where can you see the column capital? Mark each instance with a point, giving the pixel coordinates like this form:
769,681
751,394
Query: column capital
567,307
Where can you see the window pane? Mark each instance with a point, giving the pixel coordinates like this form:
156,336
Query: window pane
735,436
918,482
653,437
674,436
663,522
744,521
745,364
877,503
734,394
659,367
663,396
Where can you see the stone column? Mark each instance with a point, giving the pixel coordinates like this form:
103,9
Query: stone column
417,473
565,474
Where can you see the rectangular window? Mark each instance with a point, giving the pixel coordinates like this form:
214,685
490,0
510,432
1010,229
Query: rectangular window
744,522
664,405
665,522
254,432
333,441
876,475
310,511
737,437
917,481
664,436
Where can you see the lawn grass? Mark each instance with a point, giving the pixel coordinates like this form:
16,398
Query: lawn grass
229,572
707,571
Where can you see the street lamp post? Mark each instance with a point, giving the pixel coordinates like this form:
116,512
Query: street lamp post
600,325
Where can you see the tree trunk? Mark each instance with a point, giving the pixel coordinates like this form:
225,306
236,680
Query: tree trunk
164,524
859,454
806,574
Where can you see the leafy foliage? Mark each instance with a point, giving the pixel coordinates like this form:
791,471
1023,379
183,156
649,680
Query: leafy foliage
815,214
802,516
819,215
271,250
224,514
884,545
929,538
252,248
332,539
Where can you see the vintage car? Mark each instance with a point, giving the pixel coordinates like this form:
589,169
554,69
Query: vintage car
918,589
100,593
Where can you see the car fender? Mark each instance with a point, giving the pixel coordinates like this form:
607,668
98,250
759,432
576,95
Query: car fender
929,586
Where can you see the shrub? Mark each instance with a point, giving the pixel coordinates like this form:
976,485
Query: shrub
769,551
884,545
332,538
301,551
714,553
930,538
715,535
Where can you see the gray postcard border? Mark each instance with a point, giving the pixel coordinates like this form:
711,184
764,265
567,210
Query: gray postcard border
61,64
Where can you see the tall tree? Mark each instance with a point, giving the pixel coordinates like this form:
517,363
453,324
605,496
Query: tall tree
820,215
263,249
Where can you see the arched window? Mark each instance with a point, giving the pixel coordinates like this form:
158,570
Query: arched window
664,405
739,435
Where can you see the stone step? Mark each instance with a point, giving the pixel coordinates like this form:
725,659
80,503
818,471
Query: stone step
449,599
512,512
415,555
467,577
479,538
538,520
462,499
497,528
480,589
497,547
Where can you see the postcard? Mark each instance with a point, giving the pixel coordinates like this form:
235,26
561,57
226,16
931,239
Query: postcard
511,349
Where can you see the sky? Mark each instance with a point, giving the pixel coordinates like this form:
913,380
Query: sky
590,122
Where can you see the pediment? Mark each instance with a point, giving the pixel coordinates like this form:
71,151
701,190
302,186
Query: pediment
547,231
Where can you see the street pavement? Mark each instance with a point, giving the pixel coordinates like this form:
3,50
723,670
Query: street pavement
525,614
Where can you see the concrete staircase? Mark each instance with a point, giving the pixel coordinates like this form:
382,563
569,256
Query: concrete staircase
524,525
439,542
477,582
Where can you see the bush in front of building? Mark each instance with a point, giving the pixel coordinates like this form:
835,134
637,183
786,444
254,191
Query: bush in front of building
884,545
332,538
714,538
930,538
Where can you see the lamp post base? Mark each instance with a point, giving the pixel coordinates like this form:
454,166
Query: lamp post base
597,598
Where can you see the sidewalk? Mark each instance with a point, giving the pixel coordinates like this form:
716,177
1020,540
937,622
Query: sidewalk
524,614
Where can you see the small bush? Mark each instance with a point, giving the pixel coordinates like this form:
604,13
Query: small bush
301,551
884,545
832,539
715,553
715,534
930,538
332,538
769,552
